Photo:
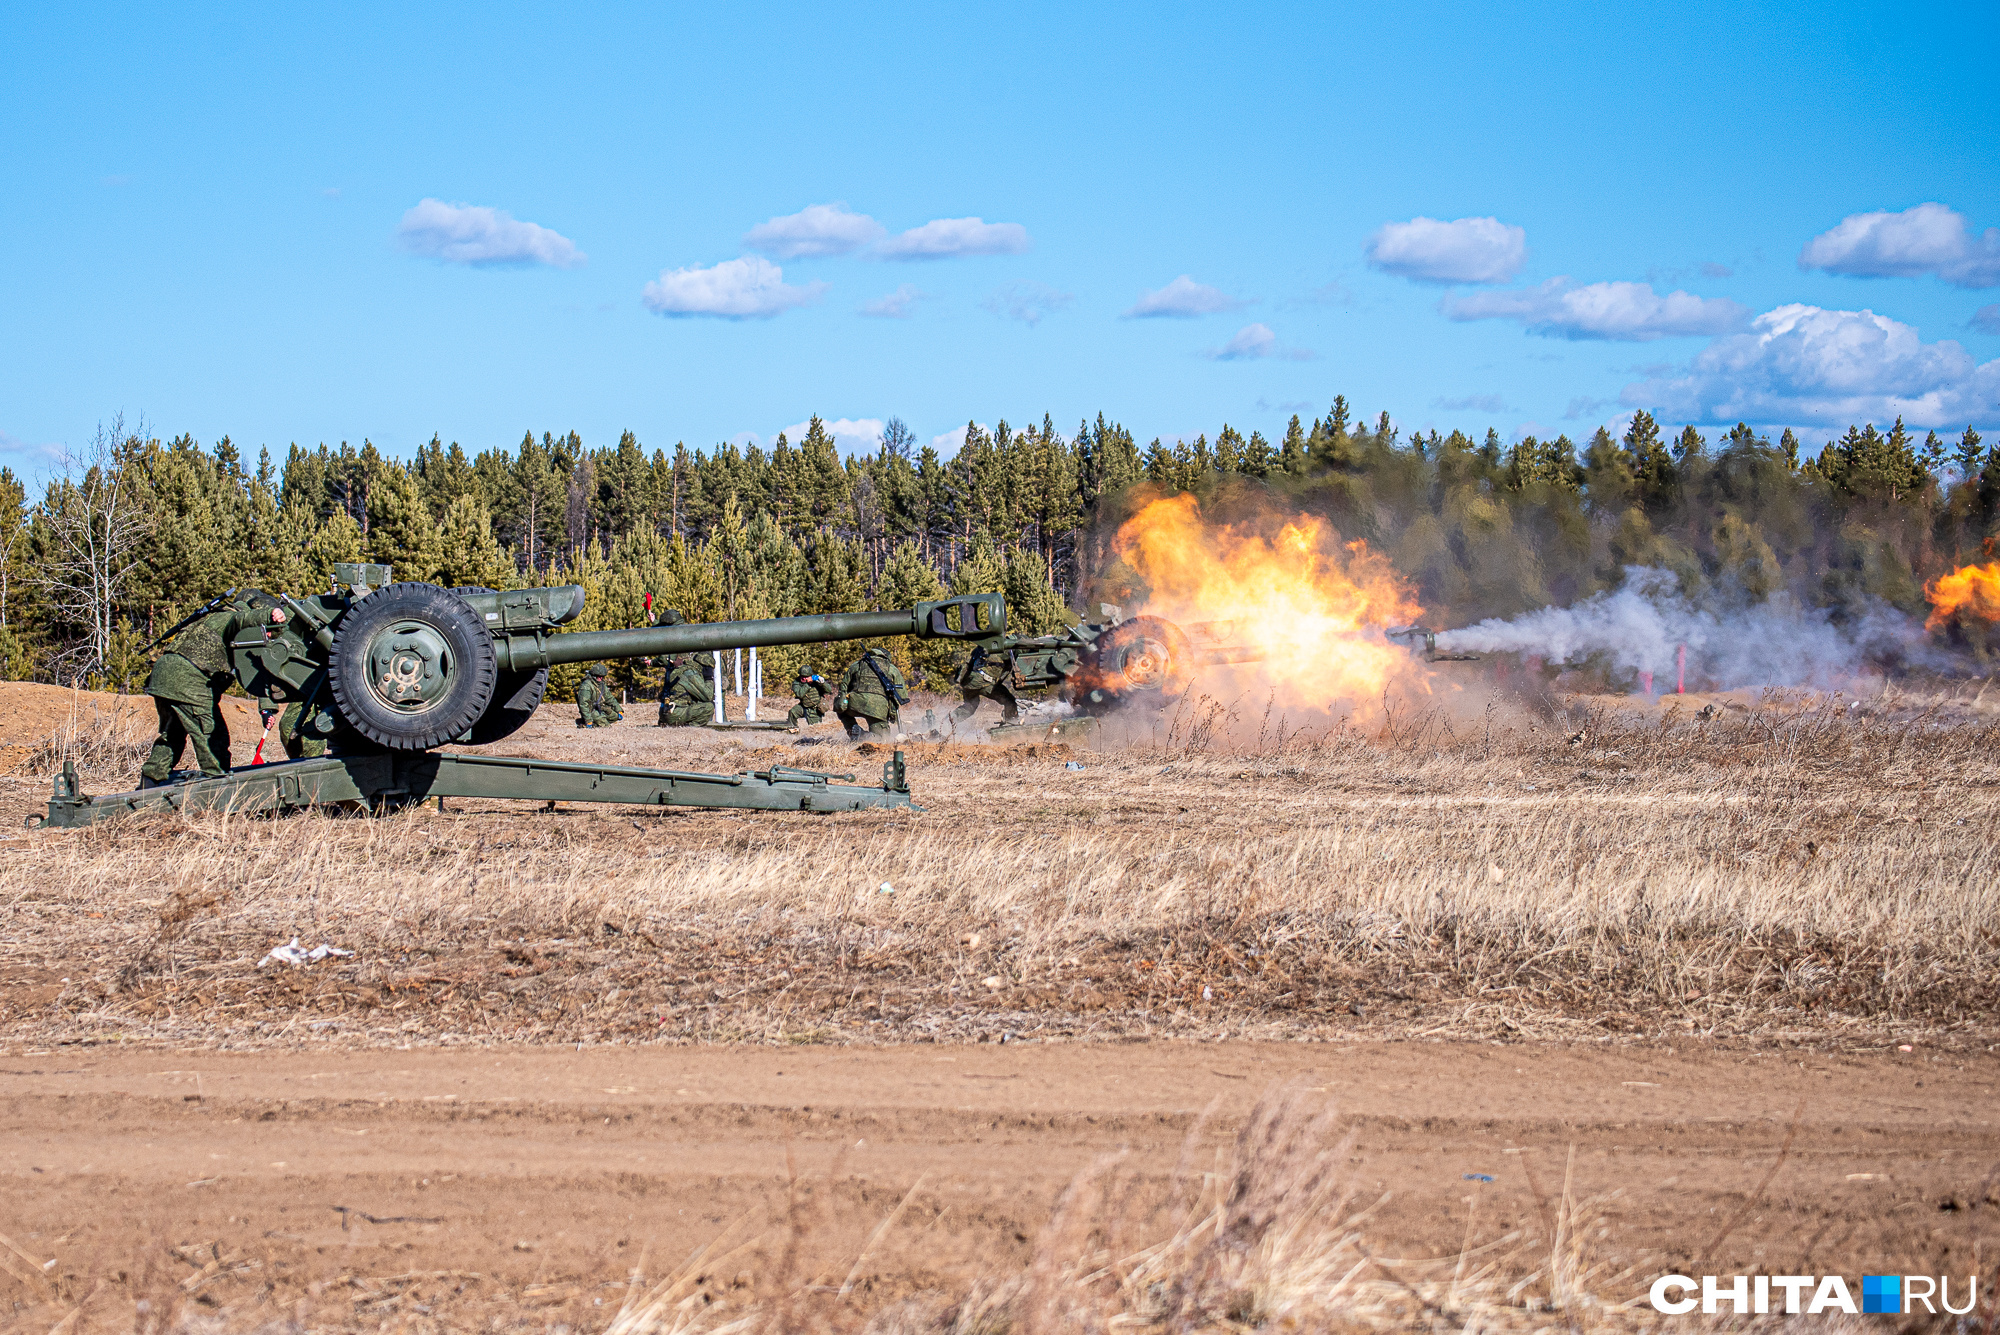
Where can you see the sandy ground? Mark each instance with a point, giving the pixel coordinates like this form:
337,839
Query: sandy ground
549,1173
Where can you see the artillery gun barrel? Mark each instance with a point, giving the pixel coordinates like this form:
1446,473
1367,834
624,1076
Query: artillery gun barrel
526,653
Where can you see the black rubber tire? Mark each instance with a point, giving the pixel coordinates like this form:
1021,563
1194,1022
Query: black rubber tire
471,672
516,696
1110,680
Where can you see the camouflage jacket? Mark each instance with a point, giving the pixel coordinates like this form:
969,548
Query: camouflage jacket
813,693
195,668
983,671
862,687
595,702
688,684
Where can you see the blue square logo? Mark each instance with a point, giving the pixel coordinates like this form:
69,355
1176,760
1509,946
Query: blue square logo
1882,1293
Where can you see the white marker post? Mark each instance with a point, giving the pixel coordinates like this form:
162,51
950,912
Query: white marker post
720,682
756,686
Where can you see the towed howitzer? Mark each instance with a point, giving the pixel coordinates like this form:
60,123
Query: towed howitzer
385,672
410,666
1099,666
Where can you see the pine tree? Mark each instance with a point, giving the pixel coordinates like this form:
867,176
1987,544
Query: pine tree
1292,455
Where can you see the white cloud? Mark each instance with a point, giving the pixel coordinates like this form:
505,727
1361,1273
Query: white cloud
849,433
1470,250
1254,341
895,306
817,229
1927,239
473,234
1027,302
1483,403
1183,299
1631,312
35,458
1987,319
952,441
741,289
1802,364
949,238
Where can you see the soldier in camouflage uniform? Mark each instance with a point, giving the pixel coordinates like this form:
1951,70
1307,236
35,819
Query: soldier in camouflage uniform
814,695
595,707
187,685
304,737
985,677
873,689
689,696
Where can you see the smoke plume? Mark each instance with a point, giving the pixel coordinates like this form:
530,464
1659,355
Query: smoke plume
1640,627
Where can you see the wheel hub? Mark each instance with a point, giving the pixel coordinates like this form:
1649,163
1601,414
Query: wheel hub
409,666
1144,663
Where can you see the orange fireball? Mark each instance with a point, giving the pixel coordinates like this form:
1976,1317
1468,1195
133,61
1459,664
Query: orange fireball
1315,605
1968,590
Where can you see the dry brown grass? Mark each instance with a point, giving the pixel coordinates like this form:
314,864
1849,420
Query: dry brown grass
1793,872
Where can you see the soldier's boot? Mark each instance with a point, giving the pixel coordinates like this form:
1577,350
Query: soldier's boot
857,733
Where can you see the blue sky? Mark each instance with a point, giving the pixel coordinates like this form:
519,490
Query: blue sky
317,223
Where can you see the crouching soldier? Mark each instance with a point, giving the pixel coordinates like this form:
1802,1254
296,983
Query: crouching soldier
873,689
689,695
187,685
815,696
595,705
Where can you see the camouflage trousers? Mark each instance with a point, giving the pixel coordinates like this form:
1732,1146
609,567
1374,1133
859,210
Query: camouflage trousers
685,713
811,716
180,724
298,745
876,726
1010,708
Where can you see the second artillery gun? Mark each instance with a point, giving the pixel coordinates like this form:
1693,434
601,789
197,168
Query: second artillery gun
1117,661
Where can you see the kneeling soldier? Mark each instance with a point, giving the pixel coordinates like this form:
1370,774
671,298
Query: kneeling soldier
873,689
595,707
689,695
814,695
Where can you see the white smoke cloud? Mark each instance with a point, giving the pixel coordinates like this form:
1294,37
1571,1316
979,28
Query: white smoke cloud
1641,626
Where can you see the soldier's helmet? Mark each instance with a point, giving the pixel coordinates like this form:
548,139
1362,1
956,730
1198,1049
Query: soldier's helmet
669,616
595,670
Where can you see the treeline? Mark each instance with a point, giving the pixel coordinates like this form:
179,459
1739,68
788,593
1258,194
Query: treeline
140,529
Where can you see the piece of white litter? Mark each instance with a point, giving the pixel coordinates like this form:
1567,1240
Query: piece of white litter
885,889
293,954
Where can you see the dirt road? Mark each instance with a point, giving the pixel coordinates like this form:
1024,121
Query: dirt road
549,1174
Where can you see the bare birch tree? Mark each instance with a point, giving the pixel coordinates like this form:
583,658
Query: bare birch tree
95,517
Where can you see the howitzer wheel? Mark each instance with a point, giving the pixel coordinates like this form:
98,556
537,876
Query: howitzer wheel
412,667
1146,660
516,695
